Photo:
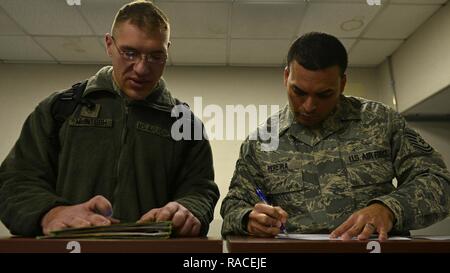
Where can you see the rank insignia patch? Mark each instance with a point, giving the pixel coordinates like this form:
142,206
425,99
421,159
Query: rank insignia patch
417,141
90,112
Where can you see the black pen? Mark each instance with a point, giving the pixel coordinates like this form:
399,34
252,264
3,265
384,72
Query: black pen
264,199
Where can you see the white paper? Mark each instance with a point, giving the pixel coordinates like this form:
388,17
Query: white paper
393,238
433,237
326,237
297,236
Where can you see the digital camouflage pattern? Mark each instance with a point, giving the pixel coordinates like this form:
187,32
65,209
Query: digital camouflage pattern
320,177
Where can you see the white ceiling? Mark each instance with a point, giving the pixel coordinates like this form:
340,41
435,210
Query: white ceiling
211,32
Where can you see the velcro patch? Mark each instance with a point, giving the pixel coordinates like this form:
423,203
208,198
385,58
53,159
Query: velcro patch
90,112
368,156
91,122
417,141
277,167
152,129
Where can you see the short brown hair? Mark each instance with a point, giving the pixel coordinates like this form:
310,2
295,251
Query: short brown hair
143,14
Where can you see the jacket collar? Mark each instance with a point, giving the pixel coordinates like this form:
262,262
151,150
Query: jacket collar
160,98
347,109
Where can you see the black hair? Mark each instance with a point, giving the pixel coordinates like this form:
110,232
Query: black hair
316,51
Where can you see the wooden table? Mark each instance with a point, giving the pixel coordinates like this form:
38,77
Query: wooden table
242,244
173,245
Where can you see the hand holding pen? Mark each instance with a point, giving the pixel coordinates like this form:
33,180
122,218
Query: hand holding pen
266,220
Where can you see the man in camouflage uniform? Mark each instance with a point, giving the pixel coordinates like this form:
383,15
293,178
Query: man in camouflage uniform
336,158
116,158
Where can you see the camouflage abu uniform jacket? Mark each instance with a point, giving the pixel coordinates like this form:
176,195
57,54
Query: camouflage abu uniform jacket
321,178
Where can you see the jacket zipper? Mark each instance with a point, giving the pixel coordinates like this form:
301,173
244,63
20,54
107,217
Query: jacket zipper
123,139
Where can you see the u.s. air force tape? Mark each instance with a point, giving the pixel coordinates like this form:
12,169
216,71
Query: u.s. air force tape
417,141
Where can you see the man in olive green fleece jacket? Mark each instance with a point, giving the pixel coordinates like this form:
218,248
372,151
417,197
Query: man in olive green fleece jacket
116,159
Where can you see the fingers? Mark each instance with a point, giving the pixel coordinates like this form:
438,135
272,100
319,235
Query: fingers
353,227
190,227
256,229
383,234
276,215
265,220
166,213
161,214
56,225
343,227
179,218
78,222
95,212
196,228
113,220
149,216
283,214
98,220
183,221
368,230
365,222
100,205
353,231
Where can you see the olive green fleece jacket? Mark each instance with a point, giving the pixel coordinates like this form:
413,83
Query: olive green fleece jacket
120,149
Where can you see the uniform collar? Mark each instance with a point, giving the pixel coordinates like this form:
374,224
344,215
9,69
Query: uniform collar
346,110
286,119
160,98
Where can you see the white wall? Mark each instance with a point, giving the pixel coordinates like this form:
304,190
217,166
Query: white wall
385,90
435,133
421,65
226,86
22,86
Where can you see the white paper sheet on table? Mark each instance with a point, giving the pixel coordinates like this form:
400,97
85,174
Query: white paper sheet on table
322,237
433,237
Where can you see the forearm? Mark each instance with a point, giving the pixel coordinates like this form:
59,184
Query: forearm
423,193
235,216
28,175
241,197
420,202
195,188
201,204
21,210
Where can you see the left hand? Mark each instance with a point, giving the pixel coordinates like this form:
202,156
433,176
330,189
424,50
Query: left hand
364,222
183,221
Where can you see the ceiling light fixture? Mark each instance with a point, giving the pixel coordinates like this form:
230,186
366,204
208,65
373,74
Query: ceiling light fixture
352,24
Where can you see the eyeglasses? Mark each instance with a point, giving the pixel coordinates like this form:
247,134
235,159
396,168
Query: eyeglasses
134,56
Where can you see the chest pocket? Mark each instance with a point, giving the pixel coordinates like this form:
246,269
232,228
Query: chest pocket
369,170
284,183
153,130
368,166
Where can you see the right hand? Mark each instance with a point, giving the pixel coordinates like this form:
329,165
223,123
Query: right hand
265,220
95,212
183,221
